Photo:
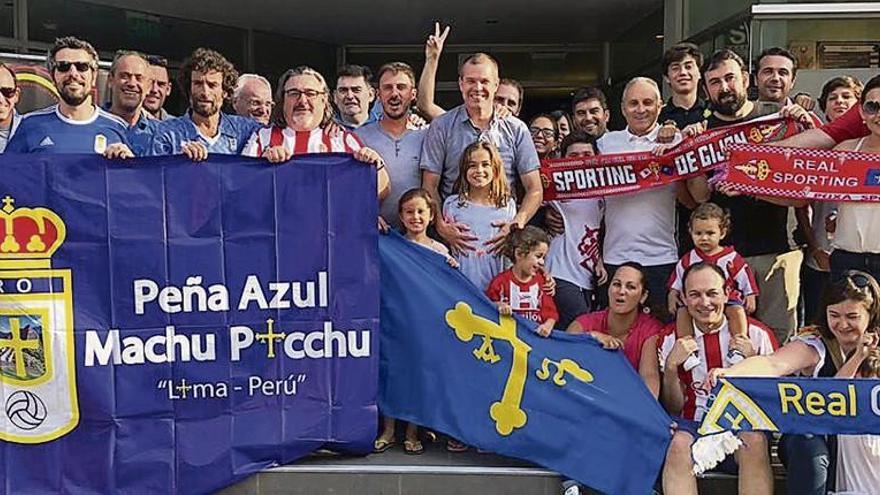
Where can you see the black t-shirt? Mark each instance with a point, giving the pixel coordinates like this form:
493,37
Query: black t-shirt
684,117
757,227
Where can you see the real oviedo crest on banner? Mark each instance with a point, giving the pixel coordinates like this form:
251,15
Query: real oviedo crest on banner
38,400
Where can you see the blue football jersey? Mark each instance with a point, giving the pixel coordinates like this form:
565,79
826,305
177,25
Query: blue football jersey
234,132
48,131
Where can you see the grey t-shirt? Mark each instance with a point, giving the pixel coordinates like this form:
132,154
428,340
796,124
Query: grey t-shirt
402,157
4,138
453,131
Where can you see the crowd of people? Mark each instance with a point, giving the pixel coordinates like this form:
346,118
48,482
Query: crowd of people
690,283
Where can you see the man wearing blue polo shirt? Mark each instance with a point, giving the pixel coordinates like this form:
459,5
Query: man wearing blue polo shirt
207,79
474,120
129,81
75,124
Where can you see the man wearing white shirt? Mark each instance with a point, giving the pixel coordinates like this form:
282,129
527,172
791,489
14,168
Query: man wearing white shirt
640,226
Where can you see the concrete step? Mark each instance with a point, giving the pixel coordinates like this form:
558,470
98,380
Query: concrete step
436,472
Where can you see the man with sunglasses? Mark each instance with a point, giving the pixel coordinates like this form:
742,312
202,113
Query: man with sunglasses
9,95
207,79
75,124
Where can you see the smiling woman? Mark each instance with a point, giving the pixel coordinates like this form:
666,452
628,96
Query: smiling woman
842,344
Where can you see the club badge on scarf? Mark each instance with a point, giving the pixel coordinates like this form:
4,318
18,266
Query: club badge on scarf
816,175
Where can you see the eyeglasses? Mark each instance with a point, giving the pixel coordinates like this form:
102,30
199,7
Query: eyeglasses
310,94
8,92
261,104
542,131
64,66
871,107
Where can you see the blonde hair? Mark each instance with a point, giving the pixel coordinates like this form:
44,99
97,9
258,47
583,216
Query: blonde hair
499,189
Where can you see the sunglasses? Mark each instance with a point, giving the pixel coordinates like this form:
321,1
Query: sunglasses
871,107
80,66
858,279
8,92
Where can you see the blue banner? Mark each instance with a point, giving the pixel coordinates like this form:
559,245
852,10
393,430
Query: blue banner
449,362
794,405
170,327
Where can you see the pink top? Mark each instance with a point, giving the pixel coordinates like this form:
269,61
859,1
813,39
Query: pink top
644,327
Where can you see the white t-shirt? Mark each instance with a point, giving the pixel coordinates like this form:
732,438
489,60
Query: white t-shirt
858,464
573,255
479,266
639,226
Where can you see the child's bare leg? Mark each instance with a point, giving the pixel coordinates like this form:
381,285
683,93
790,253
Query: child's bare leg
684,327
736,318
738,324
387,429
684,324
412,431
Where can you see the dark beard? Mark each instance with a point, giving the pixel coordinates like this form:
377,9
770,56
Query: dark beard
72,99
730,106
198,108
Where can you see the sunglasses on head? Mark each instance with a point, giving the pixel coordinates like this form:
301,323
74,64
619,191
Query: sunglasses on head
871,107
8,92
80,66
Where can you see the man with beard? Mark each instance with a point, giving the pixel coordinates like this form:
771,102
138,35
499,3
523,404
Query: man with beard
9,95
760,224
302,122
207,80
391,137
477,119
75,124
128,82
252,97
353,96
589,108
159,89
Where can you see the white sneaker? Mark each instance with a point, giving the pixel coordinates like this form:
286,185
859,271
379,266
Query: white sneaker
692,362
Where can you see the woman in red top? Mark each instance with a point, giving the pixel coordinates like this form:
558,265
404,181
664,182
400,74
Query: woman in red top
624,324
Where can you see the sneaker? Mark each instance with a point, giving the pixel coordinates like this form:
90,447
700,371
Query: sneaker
571,487
692,362
734,356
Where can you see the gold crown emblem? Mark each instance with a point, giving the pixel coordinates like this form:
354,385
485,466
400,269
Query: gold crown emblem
28,236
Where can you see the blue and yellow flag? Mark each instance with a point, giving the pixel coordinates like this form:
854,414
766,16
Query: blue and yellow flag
449,362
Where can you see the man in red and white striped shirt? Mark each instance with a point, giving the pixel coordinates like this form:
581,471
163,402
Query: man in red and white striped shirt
302,122
683,393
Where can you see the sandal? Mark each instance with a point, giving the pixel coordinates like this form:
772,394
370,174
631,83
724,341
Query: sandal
413,447
381,445
453,445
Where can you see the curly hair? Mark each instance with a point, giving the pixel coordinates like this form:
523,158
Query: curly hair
523,240
206,60
711,211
